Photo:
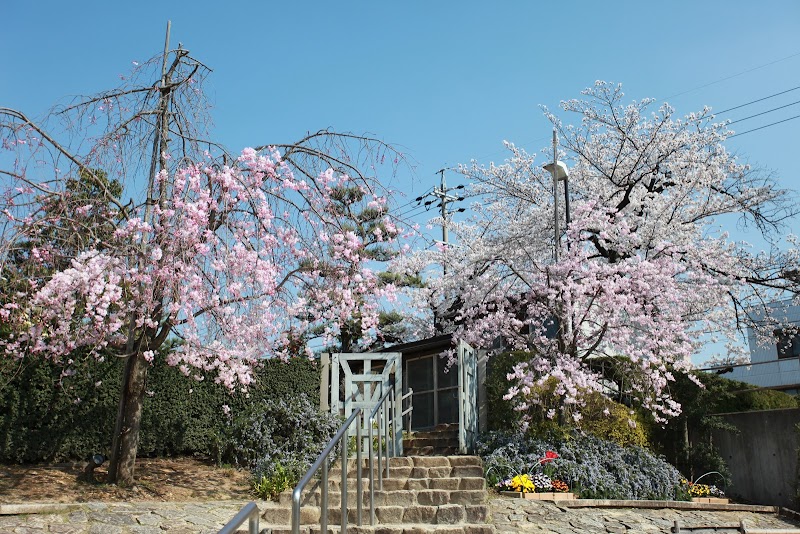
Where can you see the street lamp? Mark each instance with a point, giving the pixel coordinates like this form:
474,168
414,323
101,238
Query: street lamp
559,171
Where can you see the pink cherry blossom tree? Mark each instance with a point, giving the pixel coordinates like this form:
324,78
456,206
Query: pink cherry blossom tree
235,256
646,273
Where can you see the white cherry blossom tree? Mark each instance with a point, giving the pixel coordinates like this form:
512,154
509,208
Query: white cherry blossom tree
646,273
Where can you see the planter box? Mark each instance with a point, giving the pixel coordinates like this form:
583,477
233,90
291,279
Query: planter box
544,496
711,500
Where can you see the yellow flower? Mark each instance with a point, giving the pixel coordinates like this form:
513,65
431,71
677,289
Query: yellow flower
523,483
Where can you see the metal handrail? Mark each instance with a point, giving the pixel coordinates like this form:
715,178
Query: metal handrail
251,512
385,407
322,462
385,398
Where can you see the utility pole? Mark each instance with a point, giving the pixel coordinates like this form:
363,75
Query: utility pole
441,193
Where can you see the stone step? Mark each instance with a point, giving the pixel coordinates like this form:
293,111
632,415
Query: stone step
447,514
415,472
430,450
411,460
410,443
439,494
392,484
408,528
394,497
432,435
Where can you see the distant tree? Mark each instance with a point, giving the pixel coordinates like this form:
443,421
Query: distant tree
644,272
214,250
370,223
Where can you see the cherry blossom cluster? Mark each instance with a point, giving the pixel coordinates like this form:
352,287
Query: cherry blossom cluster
234,260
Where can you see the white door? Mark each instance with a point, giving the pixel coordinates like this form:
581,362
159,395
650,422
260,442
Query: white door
367,376
467,398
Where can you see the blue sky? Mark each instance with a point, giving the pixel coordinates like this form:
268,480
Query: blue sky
448,81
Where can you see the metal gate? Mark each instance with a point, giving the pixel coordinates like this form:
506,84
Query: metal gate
367,376
467,398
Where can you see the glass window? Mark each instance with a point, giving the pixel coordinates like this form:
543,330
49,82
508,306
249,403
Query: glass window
422,416
788,342
448,406
446,377
420,374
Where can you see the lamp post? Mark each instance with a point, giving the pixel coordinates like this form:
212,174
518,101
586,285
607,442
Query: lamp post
559,171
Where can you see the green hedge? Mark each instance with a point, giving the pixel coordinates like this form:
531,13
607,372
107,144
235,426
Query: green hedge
501,413
47,418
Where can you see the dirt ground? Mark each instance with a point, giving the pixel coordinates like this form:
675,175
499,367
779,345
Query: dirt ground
157,479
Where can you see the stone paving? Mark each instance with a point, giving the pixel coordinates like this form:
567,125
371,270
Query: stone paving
520,515
509,516
125,518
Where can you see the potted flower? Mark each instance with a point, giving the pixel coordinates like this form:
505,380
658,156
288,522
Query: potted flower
539,485
705,493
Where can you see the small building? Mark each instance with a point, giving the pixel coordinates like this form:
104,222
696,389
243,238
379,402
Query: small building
776,364
441,394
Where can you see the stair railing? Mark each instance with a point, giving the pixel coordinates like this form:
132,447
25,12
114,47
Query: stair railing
249,513
383,413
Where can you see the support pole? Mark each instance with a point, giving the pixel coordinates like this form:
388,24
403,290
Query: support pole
555,196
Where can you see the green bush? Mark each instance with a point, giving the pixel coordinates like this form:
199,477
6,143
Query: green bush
44,417
613,421
278,440
270,487
600,415
502,415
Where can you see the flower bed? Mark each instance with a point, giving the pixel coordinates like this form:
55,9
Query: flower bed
584,465
539,485
544,496
703,492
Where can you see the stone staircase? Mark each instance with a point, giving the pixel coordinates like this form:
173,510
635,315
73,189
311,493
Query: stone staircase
436,494
440,441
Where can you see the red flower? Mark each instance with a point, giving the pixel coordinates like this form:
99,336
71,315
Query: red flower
549,456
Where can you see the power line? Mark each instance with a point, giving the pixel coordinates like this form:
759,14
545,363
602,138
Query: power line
419,210
764,112
755,101
765,126
733,76
417,199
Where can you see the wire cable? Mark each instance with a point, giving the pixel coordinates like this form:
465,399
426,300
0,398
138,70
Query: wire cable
733,76
765,126
755,101
764,112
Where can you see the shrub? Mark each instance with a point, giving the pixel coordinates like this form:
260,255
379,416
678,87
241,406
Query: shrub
502,413
268,484
595,468
606,419
279,439
599,415
44,417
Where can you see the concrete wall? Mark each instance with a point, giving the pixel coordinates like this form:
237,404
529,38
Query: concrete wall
762,456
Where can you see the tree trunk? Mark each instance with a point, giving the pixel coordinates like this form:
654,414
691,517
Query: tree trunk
129,417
